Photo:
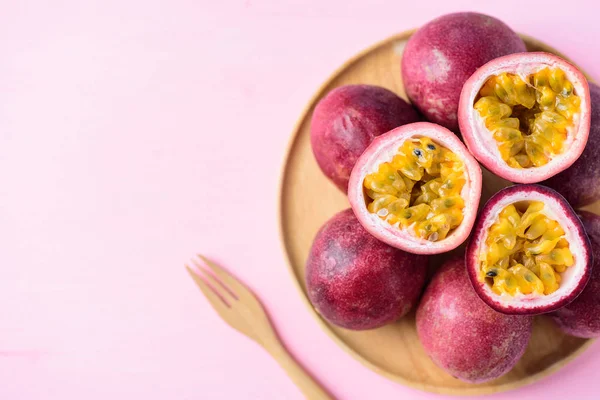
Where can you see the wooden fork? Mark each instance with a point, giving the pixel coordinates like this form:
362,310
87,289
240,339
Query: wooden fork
240,308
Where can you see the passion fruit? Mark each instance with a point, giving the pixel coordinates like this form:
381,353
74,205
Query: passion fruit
529,253
581,317
462,335
580,183
441,56
347,120
526,116
416,188
357,282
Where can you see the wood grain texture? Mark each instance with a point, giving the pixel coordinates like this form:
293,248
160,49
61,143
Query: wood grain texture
308,199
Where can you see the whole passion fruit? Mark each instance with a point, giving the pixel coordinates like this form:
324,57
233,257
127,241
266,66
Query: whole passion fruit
441,56
529,253
580,183
416,188
526,116
581,317
462,335
347,120
357,282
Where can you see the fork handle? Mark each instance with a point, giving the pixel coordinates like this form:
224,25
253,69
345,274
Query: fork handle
306,383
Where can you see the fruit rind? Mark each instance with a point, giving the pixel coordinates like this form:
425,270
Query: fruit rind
580,183
461,334
556,207
581,317
346,120
435,65
479,140
357,282
382,149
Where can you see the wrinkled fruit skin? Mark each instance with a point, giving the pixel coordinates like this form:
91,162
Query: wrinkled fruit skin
462,335
441,56
357,282
581,317
347,120
580,183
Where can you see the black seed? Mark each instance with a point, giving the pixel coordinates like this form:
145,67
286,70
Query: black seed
491,273
528,278
448,203
431,147
417,152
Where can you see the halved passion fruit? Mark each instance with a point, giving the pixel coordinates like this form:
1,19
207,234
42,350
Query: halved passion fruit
526,116
416,188
529,253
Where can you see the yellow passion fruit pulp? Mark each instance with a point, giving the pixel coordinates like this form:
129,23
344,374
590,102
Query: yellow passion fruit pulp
419,189
527,251
529,118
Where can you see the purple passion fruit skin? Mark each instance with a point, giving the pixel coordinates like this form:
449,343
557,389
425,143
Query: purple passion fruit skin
464,336
581,317
357,282
443,54
572,279
347,120
580,183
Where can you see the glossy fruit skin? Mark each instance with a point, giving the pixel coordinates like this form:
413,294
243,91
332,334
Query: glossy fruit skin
581,317
357,282
347,120
464,336
441,56
568,219
483,146
391,235
580,183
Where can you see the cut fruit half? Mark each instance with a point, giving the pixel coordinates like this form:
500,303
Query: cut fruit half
529,253
416,188
526,116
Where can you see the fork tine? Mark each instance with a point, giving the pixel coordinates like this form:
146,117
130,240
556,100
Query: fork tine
236,286
213,297
208,275
226,310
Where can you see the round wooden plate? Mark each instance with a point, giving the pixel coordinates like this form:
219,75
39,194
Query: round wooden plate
308,199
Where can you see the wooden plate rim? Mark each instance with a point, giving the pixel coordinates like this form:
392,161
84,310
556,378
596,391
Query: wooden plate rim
474,390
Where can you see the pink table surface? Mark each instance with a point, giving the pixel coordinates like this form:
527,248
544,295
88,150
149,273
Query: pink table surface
135,133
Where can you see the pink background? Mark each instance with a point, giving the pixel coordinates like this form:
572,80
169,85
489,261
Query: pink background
136,133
